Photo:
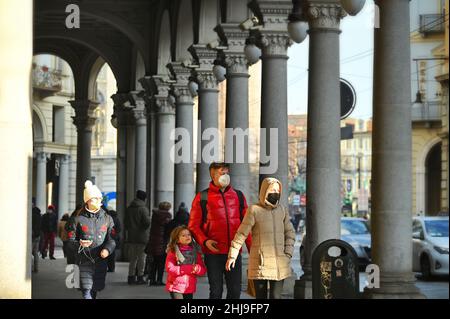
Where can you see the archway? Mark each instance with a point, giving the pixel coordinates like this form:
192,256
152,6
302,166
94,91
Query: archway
433,180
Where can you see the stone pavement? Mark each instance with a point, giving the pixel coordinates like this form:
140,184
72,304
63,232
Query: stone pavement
49,282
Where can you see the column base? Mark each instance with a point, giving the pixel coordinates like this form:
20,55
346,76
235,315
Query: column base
395,286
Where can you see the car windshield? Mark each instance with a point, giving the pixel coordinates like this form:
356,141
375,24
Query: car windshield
354,227
437,228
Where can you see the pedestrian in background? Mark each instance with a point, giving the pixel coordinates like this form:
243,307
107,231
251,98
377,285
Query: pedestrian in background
49,226
137,224
157,244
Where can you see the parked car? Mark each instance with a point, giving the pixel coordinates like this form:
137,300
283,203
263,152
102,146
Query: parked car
430,245
356,232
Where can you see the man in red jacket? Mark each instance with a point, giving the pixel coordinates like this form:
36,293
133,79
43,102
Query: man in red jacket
215,227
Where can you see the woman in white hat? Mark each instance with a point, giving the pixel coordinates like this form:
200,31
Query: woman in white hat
90,239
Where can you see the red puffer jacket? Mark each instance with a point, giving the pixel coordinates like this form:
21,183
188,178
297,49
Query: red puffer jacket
223,219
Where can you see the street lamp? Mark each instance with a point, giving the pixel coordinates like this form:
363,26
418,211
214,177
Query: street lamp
251,50
298,25
352,7
219,71
193,87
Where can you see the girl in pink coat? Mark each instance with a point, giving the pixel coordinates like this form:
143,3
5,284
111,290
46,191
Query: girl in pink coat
183,264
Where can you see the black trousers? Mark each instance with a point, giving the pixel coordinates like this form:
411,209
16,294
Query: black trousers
275,288
156,270
177,295
111,261
215,264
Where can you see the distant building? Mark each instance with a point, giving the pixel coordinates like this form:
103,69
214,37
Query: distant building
429,86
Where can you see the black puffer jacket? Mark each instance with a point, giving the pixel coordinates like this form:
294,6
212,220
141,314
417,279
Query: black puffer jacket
137,222
96,227
49,223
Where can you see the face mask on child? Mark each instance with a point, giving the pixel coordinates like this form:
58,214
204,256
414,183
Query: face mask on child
273,198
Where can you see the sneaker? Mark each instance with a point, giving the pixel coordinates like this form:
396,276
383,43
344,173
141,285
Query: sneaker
140,280
52,258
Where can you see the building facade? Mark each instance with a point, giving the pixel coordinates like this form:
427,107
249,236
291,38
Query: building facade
429,82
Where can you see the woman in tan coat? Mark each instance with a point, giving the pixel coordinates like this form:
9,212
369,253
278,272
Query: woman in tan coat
273,239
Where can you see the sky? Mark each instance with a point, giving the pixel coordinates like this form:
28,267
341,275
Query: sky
356,56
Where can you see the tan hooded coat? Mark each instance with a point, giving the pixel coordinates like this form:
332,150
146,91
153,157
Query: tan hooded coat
273,238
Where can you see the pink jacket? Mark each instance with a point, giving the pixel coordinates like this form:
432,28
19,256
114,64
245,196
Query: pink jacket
180,277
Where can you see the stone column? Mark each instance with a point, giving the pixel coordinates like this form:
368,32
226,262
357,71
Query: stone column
119,120
41,181
63,194
140,117
150,91
84,120
165,124
323,206
236,123
274,113
208,114
16,148
184,163
391,154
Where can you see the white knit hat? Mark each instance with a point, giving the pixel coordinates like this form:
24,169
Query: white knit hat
91,191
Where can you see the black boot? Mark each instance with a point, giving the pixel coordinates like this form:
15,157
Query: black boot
140,280
132,280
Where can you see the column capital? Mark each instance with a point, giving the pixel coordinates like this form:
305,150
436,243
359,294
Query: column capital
236,63
162,97
64,158
139,111
275,43
122,107
84,118
206,79
182,76
205,58
324,15
235,40
41,156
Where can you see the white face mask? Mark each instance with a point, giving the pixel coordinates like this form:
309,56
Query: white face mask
224,180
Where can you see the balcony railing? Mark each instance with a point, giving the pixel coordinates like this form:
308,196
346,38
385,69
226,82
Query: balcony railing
428,111
432,23
46,79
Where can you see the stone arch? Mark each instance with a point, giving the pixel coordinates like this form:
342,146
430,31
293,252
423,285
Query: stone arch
94,45
40,132
209,18
185,31
421,174
164,55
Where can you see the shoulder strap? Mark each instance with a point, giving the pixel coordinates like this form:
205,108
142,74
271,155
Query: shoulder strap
203,202
241,202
